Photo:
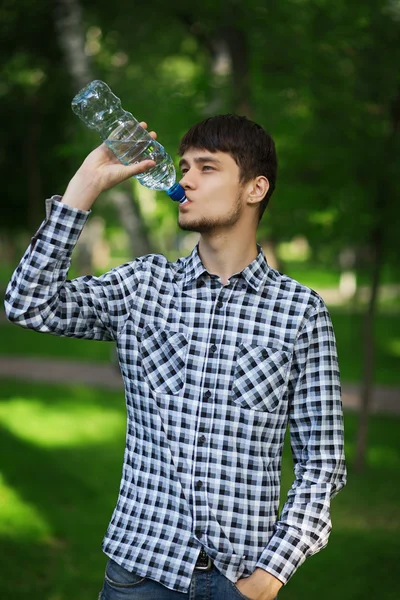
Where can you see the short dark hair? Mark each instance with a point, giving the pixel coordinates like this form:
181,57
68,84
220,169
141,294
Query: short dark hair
252,148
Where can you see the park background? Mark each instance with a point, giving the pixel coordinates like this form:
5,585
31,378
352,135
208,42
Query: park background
323,78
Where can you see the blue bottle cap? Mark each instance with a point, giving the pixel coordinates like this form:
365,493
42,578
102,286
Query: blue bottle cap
177,193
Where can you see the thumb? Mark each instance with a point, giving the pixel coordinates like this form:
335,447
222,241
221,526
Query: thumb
139,167
117,172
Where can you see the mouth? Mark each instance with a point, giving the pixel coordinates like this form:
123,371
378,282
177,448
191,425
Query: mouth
185,202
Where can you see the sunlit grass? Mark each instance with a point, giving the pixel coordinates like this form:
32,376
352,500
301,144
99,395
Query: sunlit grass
66,423
59,487
20,519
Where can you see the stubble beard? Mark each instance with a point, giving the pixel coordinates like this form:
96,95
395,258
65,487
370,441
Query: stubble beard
208,225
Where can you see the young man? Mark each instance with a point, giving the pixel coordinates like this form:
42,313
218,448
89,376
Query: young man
218,352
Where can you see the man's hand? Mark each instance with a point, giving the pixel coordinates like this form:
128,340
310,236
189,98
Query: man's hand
100,171
261,585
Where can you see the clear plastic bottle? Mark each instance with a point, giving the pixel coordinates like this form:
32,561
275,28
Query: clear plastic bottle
101,110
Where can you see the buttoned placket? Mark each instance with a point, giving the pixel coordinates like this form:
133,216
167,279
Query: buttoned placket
201,458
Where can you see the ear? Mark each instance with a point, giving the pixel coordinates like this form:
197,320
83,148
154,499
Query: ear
257,189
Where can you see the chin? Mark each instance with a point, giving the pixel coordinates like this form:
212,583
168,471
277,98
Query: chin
187,226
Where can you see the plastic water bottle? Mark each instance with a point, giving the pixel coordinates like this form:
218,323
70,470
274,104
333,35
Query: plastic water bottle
101,110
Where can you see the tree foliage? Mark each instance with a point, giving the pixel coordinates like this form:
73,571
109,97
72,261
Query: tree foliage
322,77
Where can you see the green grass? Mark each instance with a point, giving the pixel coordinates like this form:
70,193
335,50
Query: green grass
62,450
6,270
349,336
16,341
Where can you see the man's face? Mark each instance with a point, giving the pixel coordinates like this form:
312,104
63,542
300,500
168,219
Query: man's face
211,184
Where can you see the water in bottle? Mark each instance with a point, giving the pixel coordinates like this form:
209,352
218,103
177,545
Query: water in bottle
101,110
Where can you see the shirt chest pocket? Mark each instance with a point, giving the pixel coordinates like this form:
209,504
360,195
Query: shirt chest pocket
163,354
261,376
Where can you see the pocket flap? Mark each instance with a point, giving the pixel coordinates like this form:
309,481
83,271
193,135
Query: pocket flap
163,354
260,377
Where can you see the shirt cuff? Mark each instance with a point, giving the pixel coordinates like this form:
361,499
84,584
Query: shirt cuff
283,555
62,226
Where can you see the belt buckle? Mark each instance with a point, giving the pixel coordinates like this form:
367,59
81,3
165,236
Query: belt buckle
207,566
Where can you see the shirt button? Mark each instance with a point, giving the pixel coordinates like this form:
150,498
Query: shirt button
199,485
163,336
264,353
207,394
202,439
213,348
220,304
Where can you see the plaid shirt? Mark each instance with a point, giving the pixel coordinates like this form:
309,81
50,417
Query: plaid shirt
213,374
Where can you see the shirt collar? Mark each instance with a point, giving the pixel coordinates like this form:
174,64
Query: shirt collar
254,274
194,268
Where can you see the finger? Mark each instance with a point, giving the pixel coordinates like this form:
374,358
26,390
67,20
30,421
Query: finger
141,166
153,135
118,173
143,124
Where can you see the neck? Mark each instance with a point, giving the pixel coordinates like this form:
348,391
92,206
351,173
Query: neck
225,255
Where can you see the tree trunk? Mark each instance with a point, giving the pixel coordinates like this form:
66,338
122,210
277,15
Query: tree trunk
131,219
382,198
369,351
237,43
68,19
228,48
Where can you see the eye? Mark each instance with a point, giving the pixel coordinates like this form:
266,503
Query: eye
184,170
208,168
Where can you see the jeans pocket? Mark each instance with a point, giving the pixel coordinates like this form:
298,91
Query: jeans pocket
238,592
118,577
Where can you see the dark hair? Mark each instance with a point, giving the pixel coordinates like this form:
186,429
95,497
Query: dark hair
252,148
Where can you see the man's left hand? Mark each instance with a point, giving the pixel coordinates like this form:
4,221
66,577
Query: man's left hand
261,585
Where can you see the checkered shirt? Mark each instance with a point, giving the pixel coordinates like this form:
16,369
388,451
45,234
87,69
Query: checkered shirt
213,375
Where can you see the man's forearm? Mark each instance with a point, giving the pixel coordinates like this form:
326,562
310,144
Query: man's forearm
80,193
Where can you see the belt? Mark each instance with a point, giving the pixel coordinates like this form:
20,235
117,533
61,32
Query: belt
204,562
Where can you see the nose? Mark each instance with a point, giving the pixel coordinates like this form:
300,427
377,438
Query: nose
187,181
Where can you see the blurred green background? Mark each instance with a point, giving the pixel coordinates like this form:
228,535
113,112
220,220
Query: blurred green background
323,78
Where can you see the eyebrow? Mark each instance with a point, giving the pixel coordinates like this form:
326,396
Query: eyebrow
199,160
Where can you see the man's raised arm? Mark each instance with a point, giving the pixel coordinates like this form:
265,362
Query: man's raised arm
39,296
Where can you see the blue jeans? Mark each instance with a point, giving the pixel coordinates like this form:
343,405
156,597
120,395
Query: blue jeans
119,584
